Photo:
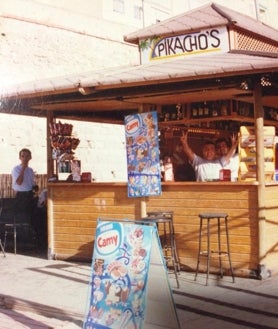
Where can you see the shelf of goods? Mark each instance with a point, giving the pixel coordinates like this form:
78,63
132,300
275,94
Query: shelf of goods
222,115
248,151
63,146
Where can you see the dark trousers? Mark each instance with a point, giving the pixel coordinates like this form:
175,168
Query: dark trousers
24,204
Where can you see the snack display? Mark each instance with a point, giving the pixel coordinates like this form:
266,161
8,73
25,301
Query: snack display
248,153
60,129
63,146
61,139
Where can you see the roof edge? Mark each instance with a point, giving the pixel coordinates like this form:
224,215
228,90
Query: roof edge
254,53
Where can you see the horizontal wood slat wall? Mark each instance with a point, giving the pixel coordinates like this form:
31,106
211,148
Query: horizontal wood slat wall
76,208
6,190
238,201
272,228
73,213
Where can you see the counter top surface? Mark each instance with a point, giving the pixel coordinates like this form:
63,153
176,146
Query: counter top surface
215,183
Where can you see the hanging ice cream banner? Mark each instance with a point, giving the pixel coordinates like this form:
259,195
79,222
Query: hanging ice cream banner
142,148
120,268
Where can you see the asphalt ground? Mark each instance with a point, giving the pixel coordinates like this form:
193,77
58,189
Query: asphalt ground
39,293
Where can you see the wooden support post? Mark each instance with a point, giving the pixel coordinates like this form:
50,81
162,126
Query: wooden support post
143,208
50,163
259,126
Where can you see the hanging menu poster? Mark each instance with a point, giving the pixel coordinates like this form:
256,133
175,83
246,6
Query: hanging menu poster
120,268
142,148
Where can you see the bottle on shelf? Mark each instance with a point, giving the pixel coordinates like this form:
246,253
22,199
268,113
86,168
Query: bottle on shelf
168,167
162,171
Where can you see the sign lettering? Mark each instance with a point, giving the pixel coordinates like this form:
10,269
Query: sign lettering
213,40
109,241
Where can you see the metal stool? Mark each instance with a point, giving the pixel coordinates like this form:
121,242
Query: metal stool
208,253
168,243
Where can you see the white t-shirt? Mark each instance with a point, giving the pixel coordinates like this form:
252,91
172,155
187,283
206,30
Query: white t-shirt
206,170
233,165
28,180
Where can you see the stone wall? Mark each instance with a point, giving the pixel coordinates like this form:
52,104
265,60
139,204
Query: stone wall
101,149
40,41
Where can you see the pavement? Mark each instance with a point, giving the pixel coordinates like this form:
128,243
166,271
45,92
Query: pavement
39,293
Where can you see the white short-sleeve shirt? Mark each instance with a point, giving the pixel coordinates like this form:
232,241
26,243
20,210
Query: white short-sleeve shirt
206,170
28,180
233,165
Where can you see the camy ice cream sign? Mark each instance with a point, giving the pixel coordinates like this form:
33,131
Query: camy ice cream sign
202,42
108,238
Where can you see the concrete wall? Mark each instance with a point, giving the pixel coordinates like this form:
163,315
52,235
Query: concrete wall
18,132
41,42
43,39
101,149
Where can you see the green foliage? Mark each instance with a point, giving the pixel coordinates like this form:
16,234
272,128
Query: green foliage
147,43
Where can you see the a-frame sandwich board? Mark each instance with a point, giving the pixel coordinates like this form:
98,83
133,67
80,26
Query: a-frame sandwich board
129,286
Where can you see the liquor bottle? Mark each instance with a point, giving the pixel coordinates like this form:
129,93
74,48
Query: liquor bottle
168,167
162,171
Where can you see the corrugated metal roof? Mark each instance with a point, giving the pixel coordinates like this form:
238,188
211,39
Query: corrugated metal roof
185,68
207,16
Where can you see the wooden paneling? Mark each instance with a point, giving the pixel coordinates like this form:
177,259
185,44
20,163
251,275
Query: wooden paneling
187,201
6,190
74,211
76,208
272,228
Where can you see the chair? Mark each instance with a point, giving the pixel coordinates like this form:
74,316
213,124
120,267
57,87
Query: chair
12,229
2,248
1,244
209,253
168,243
12,225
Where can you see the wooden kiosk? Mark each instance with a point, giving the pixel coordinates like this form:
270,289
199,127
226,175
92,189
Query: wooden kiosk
212,70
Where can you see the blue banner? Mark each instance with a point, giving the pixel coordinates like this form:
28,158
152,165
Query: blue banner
142,146
120,268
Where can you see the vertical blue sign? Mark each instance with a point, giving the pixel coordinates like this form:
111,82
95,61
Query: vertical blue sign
120,267
142,148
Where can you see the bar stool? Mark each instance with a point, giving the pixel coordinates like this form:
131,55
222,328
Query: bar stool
168,243
208,253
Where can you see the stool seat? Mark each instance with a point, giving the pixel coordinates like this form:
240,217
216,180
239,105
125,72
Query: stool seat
168,243
209,253
213,215
157,220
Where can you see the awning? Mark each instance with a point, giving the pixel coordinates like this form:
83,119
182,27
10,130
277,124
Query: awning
162,82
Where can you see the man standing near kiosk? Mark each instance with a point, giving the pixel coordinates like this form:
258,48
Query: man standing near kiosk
23,185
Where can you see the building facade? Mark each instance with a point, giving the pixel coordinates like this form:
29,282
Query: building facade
46,38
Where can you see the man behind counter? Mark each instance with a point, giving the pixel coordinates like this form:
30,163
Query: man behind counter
222,148
208,166
183,171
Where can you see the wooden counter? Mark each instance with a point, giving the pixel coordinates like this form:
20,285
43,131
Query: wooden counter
73,210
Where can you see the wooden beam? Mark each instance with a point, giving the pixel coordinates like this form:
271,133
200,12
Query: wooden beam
50,163
259,126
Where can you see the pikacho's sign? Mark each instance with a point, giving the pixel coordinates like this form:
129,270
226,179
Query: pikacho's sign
202,42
